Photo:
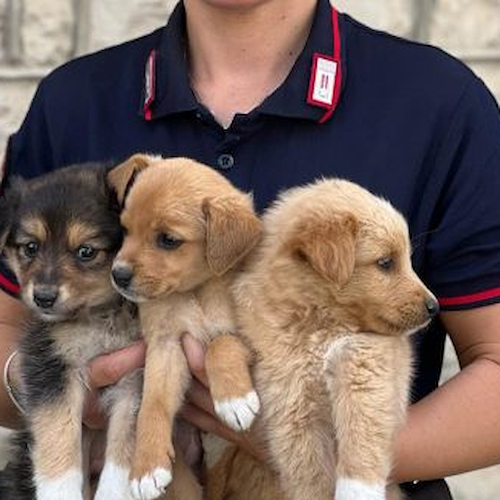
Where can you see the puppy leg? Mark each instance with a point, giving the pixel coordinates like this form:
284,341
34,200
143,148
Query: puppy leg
57,444
166,379
114,481
367,411
227,364
184,485
302,464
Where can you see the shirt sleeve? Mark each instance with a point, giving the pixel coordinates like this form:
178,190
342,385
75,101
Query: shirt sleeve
28,154
463,252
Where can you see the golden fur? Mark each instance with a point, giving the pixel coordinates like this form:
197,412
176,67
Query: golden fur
187,230
327,302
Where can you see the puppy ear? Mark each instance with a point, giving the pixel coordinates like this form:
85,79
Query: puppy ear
328,246
9,203
233,230
123,176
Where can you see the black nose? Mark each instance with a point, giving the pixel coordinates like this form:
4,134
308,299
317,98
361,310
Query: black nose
122,276
432,307
45,297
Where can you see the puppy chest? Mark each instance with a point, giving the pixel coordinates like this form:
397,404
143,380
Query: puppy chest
79,343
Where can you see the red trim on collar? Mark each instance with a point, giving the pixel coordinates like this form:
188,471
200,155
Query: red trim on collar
150,85
8,285
471,298
337,57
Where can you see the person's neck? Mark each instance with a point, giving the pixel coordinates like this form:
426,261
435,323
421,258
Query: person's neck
237,57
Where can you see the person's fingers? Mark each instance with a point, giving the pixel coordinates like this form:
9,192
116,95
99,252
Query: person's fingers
200,396
108,369
93,417
195,355
207,422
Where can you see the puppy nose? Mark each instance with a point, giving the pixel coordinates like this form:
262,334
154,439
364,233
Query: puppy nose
122,276
45,297
432,307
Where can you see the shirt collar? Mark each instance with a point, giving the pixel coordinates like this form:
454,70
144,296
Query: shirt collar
170,79
170,84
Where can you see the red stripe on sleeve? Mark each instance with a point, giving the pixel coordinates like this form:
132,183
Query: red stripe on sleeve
470,299
8,285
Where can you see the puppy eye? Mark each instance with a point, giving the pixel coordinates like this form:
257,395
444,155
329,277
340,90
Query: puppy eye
30,249
86,253
386,263
168,242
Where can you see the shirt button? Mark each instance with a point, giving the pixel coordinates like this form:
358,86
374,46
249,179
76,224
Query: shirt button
225,161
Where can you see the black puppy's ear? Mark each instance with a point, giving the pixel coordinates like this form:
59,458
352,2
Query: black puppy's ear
10,200
122,177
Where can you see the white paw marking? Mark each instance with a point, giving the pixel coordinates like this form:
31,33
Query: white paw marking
152,485
113,483
68,485
238,413
353,489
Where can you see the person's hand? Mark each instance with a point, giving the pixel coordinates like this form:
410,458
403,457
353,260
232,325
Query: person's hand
199,409
106,370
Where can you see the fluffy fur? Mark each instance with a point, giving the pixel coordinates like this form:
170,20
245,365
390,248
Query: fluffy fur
60,233
187,231
327,302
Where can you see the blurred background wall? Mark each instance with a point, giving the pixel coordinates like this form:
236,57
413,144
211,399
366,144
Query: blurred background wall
37,35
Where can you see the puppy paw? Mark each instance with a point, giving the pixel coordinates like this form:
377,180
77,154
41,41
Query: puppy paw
68,485
113,483
238,413
151,486
354,489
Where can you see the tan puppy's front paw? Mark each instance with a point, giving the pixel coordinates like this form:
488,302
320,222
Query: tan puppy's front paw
353,489
152,485
238,413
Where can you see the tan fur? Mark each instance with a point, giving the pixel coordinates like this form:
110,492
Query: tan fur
181,289
224,358
78,232
329,327
58,427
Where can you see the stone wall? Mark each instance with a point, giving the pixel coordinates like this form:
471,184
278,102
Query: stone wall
37,35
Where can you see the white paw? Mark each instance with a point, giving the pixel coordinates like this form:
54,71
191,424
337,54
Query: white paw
152,485
113,483
68,485
353,489
238,413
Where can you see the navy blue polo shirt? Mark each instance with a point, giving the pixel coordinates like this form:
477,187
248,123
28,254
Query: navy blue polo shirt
412,124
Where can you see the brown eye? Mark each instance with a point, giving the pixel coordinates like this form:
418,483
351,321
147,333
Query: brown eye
168,242
386,264
86,253
30,249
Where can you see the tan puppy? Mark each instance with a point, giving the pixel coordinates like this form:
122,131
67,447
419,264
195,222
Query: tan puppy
187,230
328,302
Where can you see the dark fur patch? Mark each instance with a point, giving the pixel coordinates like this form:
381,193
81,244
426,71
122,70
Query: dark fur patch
44,372
77,194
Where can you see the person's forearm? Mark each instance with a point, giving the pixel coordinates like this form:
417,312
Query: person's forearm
453,430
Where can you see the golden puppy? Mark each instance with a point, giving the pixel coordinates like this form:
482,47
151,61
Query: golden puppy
187,230
328,302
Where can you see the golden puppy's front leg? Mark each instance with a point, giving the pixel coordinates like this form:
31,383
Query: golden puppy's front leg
166,378
57,444
227,364
368,396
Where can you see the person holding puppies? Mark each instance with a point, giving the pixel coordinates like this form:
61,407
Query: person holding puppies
278,93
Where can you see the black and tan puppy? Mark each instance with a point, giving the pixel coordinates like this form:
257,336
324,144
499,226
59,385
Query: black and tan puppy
60,233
